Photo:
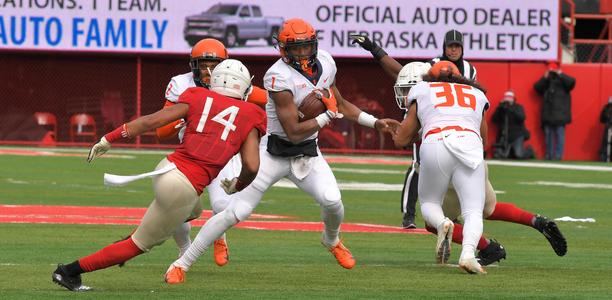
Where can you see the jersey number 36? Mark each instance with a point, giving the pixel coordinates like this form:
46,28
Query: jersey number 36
462,96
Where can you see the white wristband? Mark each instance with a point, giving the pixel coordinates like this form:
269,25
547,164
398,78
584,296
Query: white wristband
323,119
366,119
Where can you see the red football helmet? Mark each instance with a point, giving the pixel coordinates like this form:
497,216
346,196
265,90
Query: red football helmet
206,50
297,33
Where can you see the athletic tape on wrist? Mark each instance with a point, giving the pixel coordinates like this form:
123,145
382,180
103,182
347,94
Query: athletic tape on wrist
366,119
323,119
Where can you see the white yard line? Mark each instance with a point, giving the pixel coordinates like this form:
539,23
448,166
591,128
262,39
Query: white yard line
570,184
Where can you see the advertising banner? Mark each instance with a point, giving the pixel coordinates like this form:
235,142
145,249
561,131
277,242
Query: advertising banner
493,30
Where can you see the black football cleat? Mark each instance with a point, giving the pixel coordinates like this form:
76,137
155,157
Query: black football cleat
72,283
494,252
552,233
408,222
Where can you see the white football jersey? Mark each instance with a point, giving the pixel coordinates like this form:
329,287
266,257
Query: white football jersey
282,77
442,104
178,84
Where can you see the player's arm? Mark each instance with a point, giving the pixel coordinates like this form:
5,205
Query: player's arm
137,127
170,130
484,130
408,129
353,113
388,63
249,153
258,96
287,113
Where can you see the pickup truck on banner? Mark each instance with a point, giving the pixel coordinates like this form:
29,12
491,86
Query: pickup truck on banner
233,24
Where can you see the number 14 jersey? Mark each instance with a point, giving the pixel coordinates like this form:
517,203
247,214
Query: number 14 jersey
443,104
216,128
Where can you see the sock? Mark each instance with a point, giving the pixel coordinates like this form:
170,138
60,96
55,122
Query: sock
332,218
458,236
212,230
110,255
181,237
472,232
511,213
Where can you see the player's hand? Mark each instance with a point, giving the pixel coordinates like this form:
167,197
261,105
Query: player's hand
180,124
98,149
387,125
363,41
330,103
229,186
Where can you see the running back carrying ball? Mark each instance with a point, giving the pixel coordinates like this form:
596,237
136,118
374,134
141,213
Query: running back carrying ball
312,105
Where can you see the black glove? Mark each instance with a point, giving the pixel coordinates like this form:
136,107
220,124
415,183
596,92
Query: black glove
367,44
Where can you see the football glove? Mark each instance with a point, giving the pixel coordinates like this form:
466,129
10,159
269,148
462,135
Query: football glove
365,43
229,186
98,149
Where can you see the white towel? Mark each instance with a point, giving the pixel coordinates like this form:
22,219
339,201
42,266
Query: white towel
120,180
465,146
301,166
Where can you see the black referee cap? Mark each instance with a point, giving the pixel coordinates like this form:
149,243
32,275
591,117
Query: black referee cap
453,37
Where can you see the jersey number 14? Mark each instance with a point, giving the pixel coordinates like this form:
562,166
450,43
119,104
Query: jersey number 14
228,123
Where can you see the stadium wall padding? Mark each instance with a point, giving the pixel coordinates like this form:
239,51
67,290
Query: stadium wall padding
68,83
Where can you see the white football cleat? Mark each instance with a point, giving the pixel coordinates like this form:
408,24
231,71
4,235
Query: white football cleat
471,266
443,246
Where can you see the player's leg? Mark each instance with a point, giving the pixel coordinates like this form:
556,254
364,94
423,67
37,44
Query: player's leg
409,194
435,167
470,186
240,208
219,200
321,184
175,198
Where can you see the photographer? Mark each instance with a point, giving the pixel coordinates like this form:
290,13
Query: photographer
606,142
510,118
555,87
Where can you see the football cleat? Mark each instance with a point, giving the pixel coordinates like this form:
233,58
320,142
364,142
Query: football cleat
342,255
552,233
174,275
408,222
221,252
471,266
494,252
443,246
72,283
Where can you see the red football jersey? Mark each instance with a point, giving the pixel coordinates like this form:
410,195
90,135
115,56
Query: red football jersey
216,128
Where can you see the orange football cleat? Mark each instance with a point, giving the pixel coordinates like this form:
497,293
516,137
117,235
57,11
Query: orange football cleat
342,255
221,252
175,275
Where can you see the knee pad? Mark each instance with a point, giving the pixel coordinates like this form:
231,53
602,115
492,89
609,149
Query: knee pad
219,205
239,210
331,199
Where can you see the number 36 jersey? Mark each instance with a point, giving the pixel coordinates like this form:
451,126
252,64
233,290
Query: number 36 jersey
216,128
443,104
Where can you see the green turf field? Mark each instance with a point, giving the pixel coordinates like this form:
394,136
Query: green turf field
293,265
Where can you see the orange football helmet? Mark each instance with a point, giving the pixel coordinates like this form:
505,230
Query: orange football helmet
298,33
208,50
444,68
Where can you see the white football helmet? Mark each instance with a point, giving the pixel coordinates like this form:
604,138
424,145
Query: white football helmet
410,75
231,78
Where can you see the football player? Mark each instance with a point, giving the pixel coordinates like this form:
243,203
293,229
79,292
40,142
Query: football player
218,125
450,110
205,56
291,149
490,250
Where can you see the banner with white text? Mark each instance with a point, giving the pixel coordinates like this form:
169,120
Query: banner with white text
493,30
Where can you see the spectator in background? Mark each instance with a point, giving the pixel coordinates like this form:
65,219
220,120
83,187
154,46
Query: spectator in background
606,142
555,87
510,119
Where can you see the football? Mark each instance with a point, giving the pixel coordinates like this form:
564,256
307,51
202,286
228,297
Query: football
312,105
